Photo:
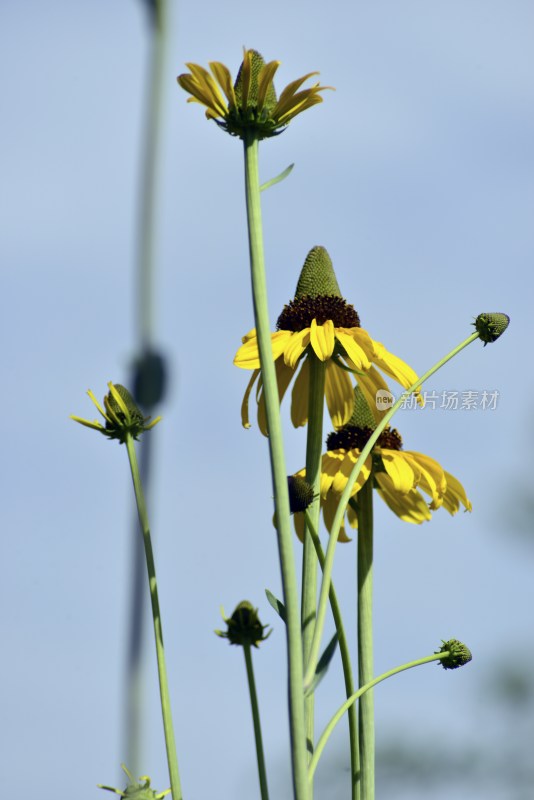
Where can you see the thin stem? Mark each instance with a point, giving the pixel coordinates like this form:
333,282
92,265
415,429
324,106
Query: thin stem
279,473
365,637
158,631
343,502
314,444
262,774
361,691
347,668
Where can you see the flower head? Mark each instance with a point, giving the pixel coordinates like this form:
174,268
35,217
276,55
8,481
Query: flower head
123,417
136,791
458,654
400,476
491,325
320,323
250,104
244,626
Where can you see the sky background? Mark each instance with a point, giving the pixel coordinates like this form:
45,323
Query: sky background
416,174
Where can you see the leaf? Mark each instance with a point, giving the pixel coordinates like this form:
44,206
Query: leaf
277,604
322,665
278,178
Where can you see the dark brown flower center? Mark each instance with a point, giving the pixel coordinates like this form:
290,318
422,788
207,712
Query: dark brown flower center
299,313
352,438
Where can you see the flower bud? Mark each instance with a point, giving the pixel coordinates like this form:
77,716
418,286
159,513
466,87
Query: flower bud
491,325
244,626
458,654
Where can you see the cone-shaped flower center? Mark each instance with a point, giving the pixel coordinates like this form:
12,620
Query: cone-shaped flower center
351,437
248,96
317,276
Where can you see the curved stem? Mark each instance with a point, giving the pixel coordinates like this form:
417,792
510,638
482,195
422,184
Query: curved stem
279,473
262,774
365,637
361,691
345,497
314,443
158,631
347,668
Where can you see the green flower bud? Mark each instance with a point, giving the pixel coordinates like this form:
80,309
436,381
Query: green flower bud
123,417
300,494
244,626
458,654
136,791
491,325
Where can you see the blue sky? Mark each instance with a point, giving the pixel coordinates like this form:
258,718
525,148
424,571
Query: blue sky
417,175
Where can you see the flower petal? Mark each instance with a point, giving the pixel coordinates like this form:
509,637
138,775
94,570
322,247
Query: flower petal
224,79
353,349
454,495
330,464
296,345
399,470
339,394
409,507
329,511
322,339
265,80
299,396
245,420
248,355
284,374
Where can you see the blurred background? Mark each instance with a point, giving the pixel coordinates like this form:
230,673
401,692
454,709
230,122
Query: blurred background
417,175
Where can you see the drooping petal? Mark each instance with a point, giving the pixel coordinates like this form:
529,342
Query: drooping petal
284,374
342,475
296,345
299,396
299,520
330,464
431,477
329,511
339,394
353,349
410,507
399,470
245,420
322,339
454,495
370,383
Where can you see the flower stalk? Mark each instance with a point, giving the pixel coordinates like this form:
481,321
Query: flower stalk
365,637
452,655
170,744
278,469
262,773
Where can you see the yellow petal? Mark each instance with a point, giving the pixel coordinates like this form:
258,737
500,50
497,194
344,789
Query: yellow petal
410,507
248,356
339,394
329,511
245,421
330,464
353,350
398,469
224,79
300,524
454,495
265,80
299,396
284,374
322,339
295,346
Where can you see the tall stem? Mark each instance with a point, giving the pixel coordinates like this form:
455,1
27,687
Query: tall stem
256,722
365,637
309,557
279,473
158,631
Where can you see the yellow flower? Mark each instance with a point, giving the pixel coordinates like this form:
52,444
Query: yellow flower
250,104
398,475
122,415
319,322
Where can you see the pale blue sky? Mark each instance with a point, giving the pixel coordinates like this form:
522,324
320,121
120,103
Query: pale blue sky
417,175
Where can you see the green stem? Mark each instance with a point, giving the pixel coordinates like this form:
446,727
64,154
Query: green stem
279,473
361,691
347,668
314,444
256,721
343,502
365,637
158,631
